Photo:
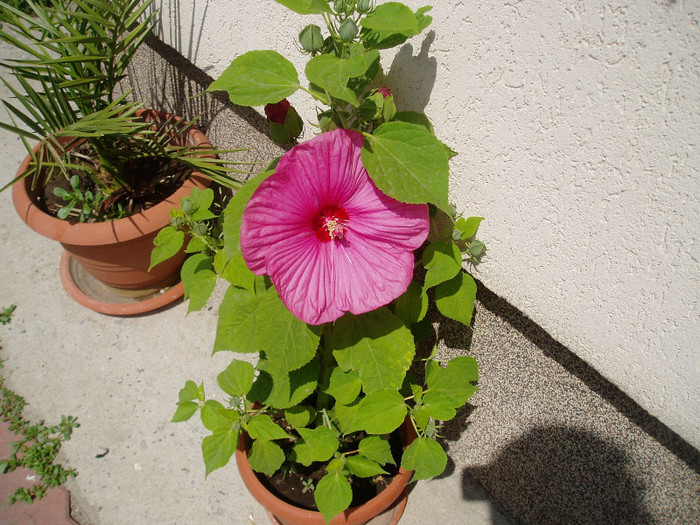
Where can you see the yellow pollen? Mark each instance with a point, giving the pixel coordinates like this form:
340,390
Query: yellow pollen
336,229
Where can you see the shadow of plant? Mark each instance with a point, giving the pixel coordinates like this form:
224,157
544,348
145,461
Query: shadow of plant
412,78
556,474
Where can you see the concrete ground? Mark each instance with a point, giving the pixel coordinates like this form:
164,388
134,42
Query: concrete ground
547,439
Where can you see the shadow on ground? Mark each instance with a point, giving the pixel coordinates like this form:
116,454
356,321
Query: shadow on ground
555,475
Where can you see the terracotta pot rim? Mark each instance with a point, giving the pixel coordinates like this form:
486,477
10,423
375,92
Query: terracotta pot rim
100,233
352,516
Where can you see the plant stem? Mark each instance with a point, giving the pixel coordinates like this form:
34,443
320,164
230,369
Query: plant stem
327,360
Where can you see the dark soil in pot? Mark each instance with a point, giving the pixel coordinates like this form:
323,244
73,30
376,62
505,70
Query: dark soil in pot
151,180
292,486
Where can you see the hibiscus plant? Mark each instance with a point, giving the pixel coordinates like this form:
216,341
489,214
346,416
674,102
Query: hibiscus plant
331,257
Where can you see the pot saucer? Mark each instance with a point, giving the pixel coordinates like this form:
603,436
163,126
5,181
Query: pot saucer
104,299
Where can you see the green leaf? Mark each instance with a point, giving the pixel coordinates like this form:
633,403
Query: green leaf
194,264
167,243
344,386
234,270
277,387
372,67
412,305
345,415
257,78
261,427
455,298
421,415
299,416
450,386
438,408
377,449
185,410
413,117
391,16
237,378
244,326
189,392
332,74
425,457
363,467
306,7
202,199
216,417
266,457
234,213
422,19
468,227
408,163
333,494
218,448
443,260
376,344
203,215
318,444
279,134
200,289
61,193
381,412
195,245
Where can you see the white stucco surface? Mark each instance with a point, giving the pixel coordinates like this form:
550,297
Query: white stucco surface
577,127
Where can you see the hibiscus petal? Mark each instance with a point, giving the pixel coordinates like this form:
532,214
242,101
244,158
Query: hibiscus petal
320,277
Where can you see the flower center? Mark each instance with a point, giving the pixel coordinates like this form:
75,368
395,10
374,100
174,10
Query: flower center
330,223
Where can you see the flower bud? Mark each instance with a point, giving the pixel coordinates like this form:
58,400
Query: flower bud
339,6
311,39
200,229
385,91
364,6
277,112
348,30
187,205
177,222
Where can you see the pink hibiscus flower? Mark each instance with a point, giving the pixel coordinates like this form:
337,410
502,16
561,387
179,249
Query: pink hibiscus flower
330,241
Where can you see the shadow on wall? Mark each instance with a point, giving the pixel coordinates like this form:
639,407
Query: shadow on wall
412,78
555,475
162,78
172,10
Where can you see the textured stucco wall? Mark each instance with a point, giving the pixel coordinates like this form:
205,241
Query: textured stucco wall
576,125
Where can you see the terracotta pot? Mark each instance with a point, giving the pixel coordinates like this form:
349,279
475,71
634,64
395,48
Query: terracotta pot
384,509
115,253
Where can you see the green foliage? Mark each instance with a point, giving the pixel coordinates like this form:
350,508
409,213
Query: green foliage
425,457
455,298
377,345
407,162
37,445
85,205
333,494
6,313
258,77
306,7
66,91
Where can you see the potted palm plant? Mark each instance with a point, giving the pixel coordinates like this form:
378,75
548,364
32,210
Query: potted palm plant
101,171
332,256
